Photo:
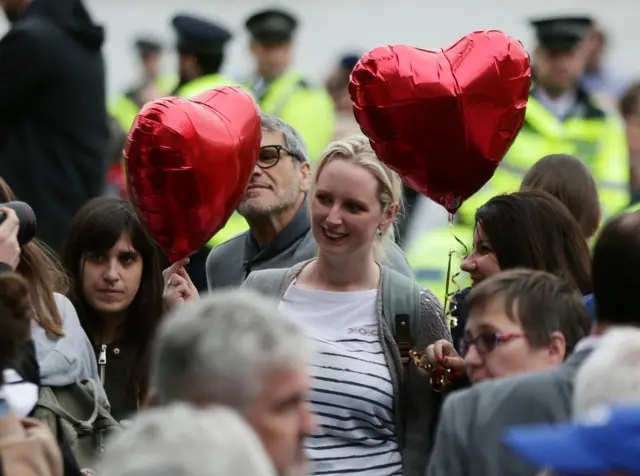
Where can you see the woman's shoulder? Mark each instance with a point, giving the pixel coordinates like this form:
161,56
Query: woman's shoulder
66,309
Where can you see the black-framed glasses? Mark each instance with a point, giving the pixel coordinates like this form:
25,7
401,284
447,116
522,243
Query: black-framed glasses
486,342
270,155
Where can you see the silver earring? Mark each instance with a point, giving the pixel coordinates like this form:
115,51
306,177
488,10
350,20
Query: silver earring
379,231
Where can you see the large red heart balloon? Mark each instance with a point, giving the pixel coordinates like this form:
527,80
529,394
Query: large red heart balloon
188,162
443,119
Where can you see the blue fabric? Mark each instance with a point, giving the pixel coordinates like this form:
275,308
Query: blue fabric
590,303
606,441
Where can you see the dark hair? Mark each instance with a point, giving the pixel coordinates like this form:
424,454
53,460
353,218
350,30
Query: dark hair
616,271
45,275
570,181
534,230
15,318
541,302
95,229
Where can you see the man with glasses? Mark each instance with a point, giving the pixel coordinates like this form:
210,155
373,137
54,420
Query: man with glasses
277,213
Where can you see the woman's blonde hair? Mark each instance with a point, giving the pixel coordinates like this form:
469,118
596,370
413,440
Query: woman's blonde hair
357,150
44,274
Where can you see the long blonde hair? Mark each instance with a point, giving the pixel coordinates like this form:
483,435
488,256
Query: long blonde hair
45,275
357,150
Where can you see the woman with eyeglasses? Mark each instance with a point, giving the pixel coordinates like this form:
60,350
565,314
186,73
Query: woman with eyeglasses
529,229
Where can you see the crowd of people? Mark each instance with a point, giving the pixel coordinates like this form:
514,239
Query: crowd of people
309,337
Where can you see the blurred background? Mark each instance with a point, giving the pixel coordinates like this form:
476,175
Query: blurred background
330,27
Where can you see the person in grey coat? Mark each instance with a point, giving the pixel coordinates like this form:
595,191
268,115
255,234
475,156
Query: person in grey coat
469,439
275,207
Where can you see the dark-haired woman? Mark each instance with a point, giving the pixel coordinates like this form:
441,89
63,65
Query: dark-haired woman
117,291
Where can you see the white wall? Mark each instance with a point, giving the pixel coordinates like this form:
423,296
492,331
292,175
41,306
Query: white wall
330,26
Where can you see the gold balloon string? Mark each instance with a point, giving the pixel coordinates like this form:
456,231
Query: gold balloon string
449,297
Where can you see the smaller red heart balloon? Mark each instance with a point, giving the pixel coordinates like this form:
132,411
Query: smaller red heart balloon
443,119
188,162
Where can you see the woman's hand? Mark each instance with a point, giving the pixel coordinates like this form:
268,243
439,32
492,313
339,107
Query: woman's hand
9,246
443,354
178,287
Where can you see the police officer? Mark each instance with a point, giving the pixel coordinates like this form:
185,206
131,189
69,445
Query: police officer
201,45
561,118
150,86
281,91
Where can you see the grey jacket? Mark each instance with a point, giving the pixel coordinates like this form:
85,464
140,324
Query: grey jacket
229,264
473,421
415,421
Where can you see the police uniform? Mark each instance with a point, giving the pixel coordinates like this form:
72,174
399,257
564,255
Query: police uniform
201,37
573,125
308,109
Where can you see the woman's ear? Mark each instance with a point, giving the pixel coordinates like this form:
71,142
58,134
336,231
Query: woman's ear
557,348
389,216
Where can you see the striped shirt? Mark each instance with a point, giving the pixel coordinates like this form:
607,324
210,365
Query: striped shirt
352,392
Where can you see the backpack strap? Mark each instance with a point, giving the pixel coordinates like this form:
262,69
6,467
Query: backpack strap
267,281
82,425
401,310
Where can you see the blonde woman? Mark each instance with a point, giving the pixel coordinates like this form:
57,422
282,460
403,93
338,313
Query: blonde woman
338,299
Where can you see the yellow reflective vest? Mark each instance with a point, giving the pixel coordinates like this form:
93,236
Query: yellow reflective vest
595,137
309,110
428,257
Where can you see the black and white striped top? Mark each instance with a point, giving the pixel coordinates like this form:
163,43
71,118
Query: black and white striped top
352,393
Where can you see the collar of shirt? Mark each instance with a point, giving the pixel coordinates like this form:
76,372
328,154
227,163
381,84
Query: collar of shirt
560,107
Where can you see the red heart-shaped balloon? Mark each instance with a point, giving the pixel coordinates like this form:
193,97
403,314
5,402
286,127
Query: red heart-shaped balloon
443,119
188,162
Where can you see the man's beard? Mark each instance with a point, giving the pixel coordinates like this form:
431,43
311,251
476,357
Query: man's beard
251,210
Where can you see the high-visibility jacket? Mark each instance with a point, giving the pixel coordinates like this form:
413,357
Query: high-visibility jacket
595,137
428,257
308,109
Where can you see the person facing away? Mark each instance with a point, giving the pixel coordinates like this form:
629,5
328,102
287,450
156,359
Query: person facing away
181,440
279,89
234,348
27,447
473,421
276,208
117,287
53,120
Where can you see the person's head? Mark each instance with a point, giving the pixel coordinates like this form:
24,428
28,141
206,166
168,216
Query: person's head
201,45
13,8
183,440
562,53
15,319
354,200
150,56
519,321
530,229
280,179
610,373
615,271
337,83
630,104
235,348
570,181
115,271
271,44
44,273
